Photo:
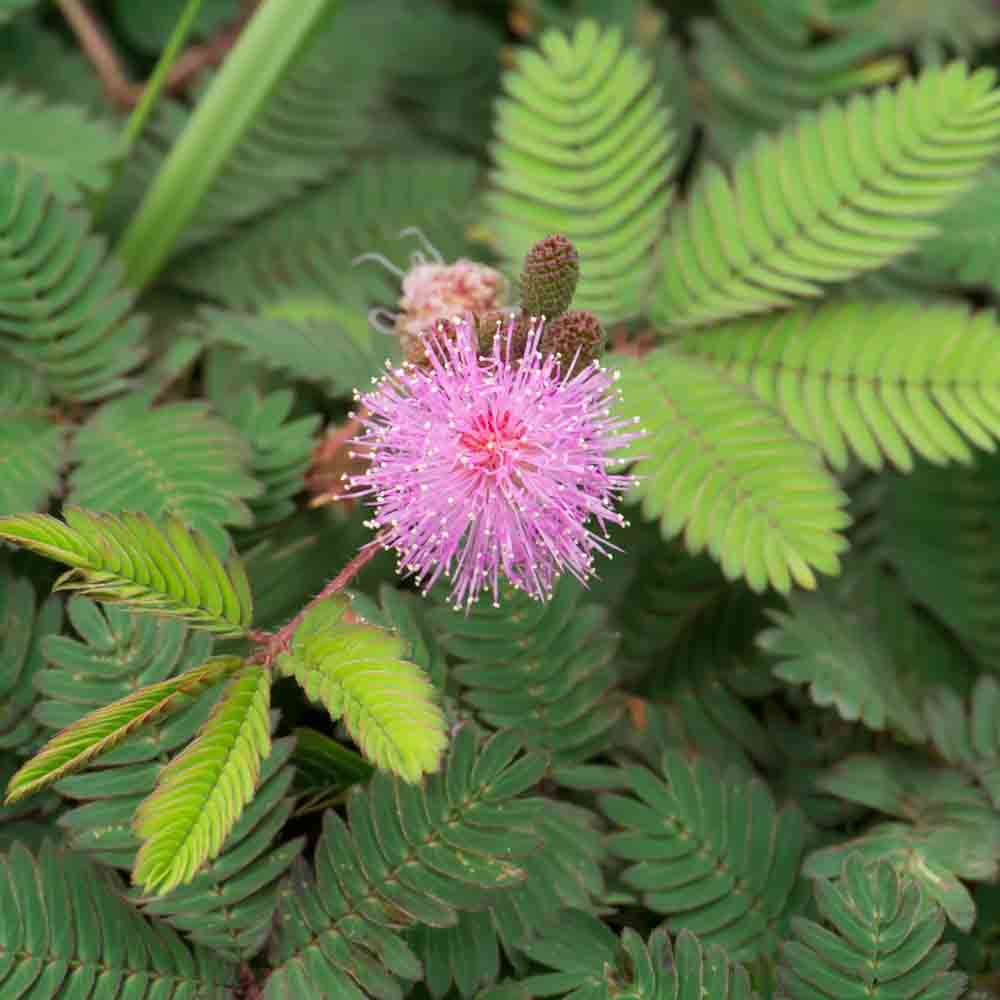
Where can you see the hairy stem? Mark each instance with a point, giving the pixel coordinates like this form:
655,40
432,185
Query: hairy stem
265,51
273,643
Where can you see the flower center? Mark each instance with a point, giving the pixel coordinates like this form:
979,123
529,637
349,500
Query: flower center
493,442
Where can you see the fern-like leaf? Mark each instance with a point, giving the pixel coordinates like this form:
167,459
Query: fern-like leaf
725,467
63,312
32,447
840,193
100,731
969,738
24,624
589,963
944,529
711,851
173,459
839,642
881,941
74,153
585,147
200,794
316,340
943,830
306,250
360,673
130,560
881,380
542,670
764,65
66,931
407,854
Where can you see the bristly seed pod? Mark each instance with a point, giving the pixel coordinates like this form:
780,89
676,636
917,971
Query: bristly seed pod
548,280
578,330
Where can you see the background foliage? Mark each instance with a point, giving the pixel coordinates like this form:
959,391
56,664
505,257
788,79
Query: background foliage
758,757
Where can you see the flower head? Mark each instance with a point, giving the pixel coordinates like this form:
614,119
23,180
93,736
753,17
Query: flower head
484,466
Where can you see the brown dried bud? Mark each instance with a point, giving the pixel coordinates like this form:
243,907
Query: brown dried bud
578,330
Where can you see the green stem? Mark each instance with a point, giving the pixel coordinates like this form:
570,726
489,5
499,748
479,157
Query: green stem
156,83
151,94
266,49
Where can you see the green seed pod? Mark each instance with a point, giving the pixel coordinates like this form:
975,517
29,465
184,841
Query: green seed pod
576,330
548,280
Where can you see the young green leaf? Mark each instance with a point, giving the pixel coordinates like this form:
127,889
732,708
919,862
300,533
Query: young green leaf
202,792
358,672
77,745
129,560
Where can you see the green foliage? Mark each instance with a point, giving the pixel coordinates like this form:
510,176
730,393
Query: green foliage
862,649
723,466
431,851
763,64
100,731
943,526
32,449
131,560
964,251
704,743
359,672
63,311
306,250
73,152
201,793
585,148
882,941
711,851
184,462
316,340
841,193
66,931
281,448
589,962
543,670
944,828
24,623
969,739
836,373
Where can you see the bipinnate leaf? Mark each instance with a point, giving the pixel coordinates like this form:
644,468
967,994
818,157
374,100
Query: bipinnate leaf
359,673
724,466
840,192
128,559
881,940
201,793
77,745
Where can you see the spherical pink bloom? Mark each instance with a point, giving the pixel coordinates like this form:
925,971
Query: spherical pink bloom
482,467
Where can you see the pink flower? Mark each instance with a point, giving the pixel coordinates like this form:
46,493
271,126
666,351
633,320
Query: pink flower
489,466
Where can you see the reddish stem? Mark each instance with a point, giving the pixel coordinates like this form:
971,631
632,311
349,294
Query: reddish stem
274,643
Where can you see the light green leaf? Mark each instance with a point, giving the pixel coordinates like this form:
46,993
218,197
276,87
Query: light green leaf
724,467
130,560
839,193
359,673
100,731
201,793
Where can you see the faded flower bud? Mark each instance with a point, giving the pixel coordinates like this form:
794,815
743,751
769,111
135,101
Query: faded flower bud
578,330
548,280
